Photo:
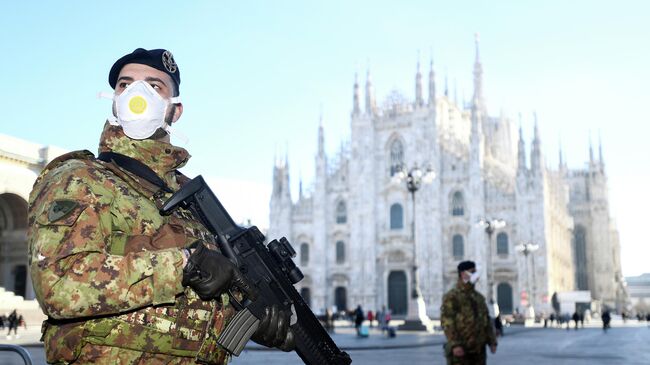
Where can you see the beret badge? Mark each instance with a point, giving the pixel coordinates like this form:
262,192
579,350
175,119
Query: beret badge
168,62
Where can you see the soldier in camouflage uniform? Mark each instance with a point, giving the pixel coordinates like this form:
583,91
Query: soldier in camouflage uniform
112,274
465,319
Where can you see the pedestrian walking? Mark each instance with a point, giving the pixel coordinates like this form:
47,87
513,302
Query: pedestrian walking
552,319
381,319
498,325
371,317
466,321
329,320
13,324
606,317
576,318
21,321
582,319
358,319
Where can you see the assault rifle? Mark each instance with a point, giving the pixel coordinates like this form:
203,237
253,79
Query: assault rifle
271,271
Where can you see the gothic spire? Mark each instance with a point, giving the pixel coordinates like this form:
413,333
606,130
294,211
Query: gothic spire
419,100
536,151
521,149
591,151
478,78
355,99
370,95
286,173
321,136
432,84
560,156
446,84
600,150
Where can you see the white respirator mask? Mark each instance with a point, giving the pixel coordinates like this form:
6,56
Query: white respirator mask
141,110
474,277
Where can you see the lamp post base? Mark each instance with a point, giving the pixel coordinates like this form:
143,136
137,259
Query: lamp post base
416,318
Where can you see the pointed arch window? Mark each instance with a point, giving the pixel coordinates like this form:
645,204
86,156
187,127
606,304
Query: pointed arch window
396,157
396,216
341,213
304,253
458,246
502,244
457,204
580,257
340,252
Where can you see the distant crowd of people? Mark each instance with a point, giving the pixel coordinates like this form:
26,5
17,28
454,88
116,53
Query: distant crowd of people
381,319
578,319
559,320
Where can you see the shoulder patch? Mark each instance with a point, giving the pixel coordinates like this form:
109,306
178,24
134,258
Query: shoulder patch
60,209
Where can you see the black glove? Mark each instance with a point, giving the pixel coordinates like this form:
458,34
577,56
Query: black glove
210,273
274,330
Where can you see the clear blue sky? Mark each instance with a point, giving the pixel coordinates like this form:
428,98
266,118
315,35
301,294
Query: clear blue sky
255,74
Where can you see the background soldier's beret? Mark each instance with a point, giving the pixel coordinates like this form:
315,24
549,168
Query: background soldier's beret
160,59
466,265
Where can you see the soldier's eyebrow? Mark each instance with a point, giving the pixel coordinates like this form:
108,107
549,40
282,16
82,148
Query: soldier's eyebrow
125,78
155,79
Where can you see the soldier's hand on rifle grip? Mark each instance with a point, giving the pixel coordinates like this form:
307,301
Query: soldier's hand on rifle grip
209,273
274,330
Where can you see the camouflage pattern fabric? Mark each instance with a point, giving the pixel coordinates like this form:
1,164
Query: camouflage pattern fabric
107,268
469,359
466,322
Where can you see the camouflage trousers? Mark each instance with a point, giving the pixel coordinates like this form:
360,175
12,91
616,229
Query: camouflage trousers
108,355
477,358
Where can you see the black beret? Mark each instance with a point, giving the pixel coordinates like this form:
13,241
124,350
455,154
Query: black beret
466,265
160,59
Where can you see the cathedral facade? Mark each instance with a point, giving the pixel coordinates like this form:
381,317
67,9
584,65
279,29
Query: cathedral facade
360,231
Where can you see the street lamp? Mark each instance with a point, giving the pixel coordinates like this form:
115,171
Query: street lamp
416,318
490,225
526,249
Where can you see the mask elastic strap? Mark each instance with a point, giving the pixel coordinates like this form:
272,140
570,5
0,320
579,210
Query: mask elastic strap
175,100
105,95
176,133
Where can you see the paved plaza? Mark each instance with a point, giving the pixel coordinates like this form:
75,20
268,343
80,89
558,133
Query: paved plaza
625,344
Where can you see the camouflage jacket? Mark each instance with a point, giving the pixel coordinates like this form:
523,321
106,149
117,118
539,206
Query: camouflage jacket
465,319
107,268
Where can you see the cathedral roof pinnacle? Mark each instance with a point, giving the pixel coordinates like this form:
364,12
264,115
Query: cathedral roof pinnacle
432,83
591,150
600,149
355,98
446,83
419,100
476,39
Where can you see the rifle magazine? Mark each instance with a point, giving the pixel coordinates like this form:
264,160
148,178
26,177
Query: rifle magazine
240,329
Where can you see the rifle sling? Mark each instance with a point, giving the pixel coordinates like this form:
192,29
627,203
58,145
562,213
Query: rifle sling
135,167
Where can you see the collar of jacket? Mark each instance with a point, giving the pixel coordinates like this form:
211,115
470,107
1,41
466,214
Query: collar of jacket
163,158
464,286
